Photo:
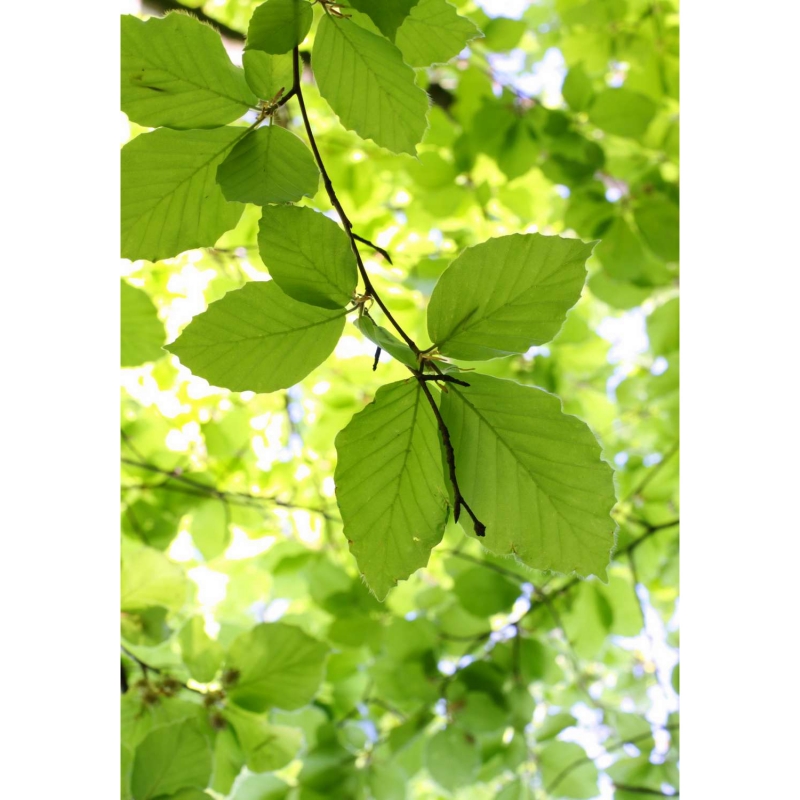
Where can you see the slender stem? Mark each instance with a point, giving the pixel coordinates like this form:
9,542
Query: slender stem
369,289
373,246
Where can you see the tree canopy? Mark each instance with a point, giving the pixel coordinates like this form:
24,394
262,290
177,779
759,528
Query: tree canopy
399,432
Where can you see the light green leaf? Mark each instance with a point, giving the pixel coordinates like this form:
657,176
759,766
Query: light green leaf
165,83
266,74
279,25
532,474
452,758
622,112
260,787
577,89
209,527
279,666
266,747
368,85
258,339
484,592
387,781
269,165
142,334
433,33
553,725
308,255
503,34
659,222
228,761
505,295
516,790
579,783
149,578
388,15
663,328
386,341
390,485
170,198
170,758
190,794
621,252
202,655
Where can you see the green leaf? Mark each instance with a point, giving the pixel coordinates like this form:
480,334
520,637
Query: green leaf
308,255
149,578
260,787
663,328
386,341
452,758
516,790
164,82
209,527
279,25
503,34
269,165
659,222
279,666
266,74
190,794
553,725
483,592
621,252
532,474
577,89
388,15
258,339
390,485
433,33
622,112
142,334
505,295
170,758
266,747
170,198
368,85
579,783
202,655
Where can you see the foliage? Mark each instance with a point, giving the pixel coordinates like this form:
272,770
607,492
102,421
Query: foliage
303,615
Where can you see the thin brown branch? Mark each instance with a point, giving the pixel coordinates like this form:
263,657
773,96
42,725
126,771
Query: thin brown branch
369,290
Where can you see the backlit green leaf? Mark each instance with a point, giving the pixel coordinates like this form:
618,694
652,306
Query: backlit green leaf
170,758
659,222
390,485
579,783
532,474
308,255
170,198
622,112
269,165
387,341
166,82
266,74
279,666
433,33
388,15
258,339
452,758
368,85
266,747
202,655
279,25
149,578
505,295
484,592
142,334
577,89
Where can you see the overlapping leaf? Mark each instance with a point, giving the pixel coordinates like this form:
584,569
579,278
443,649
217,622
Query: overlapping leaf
505,295
278,666
368,85
142,334
532,474
308,255
433,33
170,198
268,165
176,73
390,485
258,339
279,25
